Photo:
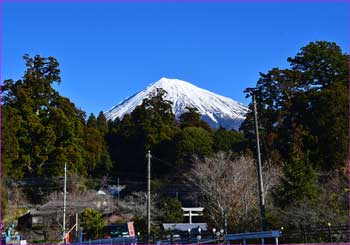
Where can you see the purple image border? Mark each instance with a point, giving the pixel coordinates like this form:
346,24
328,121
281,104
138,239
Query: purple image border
174,1
1,59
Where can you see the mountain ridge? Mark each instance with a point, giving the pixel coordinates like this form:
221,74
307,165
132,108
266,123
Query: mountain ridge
215,109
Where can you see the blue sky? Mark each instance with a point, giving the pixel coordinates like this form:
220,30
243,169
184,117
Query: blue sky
109,51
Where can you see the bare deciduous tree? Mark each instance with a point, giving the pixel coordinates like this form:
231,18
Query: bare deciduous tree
135,204
229,187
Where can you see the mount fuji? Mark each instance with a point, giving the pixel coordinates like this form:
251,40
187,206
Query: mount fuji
214,109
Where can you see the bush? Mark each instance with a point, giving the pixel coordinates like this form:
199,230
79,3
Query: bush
92,222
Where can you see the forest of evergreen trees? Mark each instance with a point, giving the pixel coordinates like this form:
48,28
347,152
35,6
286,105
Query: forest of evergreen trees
303,123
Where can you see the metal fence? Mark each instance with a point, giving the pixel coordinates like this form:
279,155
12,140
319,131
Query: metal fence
329,234
335,234
117,240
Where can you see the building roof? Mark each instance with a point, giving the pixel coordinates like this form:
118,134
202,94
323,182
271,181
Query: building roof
184,226
53,207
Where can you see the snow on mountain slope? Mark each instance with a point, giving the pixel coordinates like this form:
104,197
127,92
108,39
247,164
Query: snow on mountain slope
215,109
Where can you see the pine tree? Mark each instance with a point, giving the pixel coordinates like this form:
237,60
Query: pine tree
42,129
304,108
192,118
229,141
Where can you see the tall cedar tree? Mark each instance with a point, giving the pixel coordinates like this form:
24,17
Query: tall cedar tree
191,118
42,129
303,117
151,126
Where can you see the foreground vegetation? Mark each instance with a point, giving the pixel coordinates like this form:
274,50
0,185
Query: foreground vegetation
303,115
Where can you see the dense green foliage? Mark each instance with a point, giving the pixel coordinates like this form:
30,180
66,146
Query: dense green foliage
194,141
92,222
172,212
191,118
303,124
99,161
42,129
304,118
152,126
229,141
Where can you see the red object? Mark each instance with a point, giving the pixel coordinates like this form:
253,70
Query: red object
67,238
131,229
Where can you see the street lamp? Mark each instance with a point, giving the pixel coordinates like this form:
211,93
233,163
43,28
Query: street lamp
329,232
138,235
221,234
214,230
281,229
189,235
199,234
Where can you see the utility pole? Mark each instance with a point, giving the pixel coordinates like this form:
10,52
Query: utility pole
64,203
148,193
76,226
260,179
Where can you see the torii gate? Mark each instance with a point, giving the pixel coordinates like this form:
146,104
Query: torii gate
192,212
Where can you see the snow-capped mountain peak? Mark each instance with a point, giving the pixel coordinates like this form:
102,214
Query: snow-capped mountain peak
215,109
